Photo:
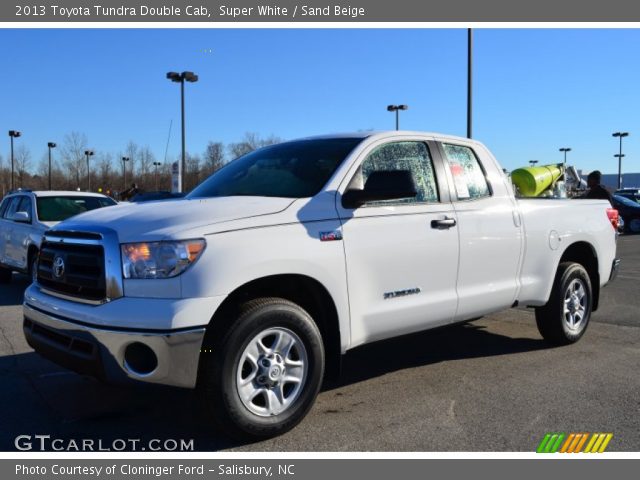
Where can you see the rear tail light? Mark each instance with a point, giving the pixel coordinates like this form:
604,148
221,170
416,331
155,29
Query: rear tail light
614,217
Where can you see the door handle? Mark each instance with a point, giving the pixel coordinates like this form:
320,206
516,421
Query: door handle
444,223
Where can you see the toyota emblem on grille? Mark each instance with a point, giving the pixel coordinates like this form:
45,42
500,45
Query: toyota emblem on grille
58,267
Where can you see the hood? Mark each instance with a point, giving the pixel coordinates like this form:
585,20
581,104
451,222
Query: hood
170,218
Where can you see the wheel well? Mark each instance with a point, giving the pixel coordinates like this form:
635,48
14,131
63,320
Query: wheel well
304,291
33,250
584,254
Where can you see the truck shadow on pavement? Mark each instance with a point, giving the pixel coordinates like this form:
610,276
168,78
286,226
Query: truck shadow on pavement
11,294
40,398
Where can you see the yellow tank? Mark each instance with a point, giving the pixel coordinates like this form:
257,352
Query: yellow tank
532,181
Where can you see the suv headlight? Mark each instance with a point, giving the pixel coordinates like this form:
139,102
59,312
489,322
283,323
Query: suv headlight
159,259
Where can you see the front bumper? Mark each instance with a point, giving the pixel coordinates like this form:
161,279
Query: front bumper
115,354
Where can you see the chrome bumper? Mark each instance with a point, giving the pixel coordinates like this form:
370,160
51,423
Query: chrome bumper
110,354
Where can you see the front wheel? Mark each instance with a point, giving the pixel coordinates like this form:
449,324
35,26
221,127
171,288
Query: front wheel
264,370
565,317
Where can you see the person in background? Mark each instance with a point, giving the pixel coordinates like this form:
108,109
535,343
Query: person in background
130,192
596,189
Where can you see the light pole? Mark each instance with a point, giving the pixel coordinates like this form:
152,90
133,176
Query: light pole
50,145
13,134
620,155
181,78
565,150
156,165
533,162
124,172
397,108
469,79
88,153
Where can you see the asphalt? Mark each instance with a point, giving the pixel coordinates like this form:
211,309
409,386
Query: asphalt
490,385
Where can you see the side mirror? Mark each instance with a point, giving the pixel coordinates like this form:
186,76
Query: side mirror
21,217
381,185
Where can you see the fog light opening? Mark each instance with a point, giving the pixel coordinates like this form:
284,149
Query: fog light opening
139,359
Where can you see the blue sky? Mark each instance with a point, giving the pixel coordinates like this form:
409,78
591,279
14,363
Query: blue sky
534,90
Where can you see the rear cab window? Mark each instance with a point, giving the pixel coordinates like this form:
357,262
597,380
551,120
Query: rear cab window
469,179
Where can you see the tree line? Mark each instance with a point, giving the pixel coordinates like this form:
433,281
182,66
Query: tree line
69,165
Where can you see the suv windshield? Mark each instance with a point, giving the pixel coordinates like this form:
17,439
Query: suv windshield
295,169
57,209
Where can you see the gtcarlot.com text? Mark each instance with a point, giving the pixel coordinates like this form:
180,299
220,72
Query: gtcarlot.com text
47,443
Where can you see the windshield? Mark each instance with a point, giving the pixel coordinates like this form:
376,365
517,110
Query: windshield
57,209
295,169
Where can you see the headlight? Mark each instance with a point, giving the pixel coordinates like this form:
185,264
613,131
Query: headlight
159,259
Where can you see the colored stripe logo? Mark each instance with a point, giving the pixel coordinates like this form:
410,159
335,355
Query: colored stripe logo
574,442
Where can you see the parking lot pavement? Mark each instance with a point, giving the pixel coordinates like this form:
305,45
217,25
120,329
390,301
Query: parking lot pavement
488,385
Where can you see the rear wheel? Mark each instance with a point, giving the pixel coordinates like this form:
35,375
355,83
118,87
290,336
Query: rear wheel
565,317
265,369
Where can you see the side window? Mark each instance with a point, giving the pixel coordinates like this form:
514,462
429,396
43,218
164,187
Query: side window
25,205
468,176
13,207
412,156
3,206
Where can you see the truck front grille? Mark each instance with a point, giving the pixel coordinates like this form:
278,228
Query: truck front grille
73,269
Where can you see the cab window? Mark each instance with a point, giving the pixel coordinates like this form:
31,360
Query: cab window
468,177
412,156
12,207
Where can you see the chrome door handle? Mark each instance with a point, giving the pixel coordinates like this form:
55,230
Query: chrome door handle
444,223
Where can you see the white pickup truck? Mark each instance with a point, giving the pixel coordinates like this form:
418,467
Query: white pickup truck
252,287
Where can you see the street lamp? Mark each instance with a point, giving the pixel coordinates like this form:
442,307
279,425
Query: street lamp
397,108
156,165
88,153
469,80
181,78
124,171
533,162
619,156
565,150
13,134
50,145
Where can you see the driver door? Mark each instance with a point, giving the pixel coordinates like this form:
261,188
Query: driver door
402,263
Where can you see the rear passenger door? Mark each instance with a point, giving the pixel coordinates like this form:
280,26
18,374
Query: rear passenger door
401,263
7,227
489,229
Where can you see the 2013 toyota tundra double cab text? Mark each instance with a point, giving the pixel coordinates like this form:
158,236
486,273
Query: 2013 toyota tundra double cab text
252,287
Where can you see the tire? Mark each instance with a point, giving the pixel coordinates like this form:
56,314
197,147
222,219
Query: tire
634,225
257,399
5,275
565,317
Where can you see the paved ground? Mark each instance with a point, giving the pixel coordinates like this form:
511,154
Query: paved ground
489,385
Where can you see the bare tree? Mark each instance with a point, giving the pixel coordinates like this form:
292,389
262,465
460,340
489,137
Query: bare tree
132,151
73,158
250,142
22,159
214,158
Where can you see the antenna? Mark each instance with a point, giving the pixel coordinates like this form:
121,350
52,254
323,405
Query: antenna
168,139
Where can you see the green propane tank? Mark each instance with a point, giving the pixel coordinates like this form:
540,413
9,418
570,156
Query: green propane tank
532,181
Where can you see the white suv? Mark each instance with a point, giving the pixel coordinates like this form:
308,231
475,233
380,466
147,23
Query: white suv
25,216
